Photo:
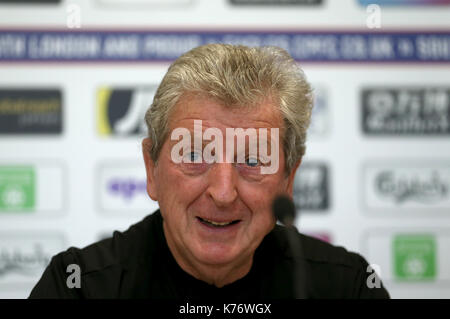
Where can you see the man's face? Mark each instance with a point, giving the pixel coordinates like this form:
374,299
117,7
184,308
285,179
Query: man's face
195,196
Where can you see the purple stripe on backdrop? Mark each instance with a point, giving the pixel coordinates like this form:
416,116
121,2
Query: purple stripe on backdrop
162,46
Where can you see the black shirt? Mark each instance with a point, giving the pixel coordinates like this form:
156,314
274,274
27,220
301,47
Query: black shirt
137,263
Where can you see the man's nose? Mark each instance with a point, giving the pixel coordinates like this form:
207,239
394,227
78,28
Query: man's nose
222,184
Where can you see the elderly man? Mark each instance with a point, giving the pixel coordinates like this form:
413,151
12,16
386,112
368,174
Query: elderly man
226,134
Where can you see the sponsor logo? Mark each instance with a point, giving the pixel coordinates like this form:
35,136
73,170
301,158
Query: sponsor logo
276,2
123,188
320,113
404,111
414,257
121,112
408,186
127,188
405,2
311,187
408,256
23,258
31,187
426,188
17,188
30,111
24,263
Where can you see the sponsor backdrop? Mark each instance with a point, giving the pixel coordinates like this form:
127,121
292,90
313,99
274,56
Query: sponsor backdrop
77,76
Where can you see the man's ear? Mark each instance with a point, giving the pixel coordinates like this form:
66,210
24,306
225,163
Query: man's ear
149,168
291,177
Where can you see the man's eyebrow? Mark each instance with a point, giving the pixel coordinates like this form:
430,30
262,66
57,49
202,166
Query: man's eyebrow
205,141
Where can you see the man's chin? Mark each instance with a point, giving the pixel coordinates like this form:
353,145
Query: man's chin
215,254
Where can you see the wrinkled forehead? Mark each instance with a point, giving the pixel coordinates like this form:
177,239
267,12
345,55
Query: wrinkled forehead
190,107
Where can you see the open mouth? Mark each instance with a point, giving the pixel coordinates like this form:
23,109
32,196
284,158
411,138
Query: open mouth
208,222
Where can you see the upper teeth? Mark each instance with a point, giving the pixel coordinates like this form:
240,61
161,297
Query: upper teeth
216,223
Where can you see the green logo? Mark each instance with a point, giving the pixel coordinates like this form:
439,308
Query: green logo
17,188
414,257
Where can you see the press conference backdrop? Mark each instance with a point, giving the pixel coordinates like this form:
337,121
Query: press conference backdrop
77,76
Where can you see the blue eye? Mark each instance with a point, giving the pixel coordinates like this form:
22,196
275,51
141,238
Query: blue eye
252,162
193,157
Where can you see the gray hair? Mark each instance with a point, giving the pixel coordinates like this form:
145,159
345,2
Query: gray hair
236,75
